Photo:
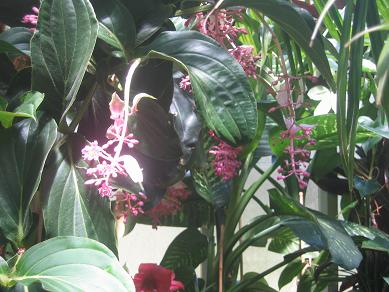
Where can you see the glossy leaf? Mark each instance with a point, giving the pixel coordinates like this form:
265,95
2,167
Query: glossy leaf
374,126
60,51
188,250
330,234
284,241
70,207
260,285
15,40
292,270
295,24
29,104
116,18
72,264
4,268
221,89
23,152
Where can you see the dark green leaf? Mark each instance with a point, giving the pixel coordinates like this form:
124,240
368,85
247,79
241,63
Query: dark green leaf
72,264
292,270
366,187
319,231
188,249
383,79
30,102
23,152
60,51
151,23
70,207
116,18
260,285
15,40
221,89
295,24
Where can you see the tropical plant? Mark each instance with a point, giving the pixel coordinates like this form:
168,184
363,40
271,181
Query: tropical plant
116,113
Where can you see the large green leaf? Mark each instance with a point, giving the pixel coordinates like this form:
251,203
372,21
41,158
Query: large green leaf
292,270
331,235
187,250
221,89
70,207
60,51
72,264
30,102
16,40
294,23
115,17
23,152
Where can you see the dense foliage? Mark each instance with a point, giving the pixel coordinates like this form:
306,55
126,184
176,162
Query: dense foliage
116,113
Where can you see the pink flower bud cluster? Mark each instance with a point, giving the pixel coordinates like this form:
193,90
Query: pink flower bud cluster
106,161
31,19
225,163
127,204
220,26
299,156
170,204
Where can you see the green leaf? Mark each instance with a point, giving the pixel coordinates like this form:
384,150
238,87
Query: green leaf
108,36
72,264
292,270
221,89
152,22
23,152
295,25
284,241
386,279
116,18
374,126
260,285
30,102
4,268
60,51
366,187
15,40
70,207
319,231
188,249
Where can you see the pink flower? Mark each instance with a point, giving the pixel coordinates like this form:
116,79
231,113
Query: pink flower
106,160
170,204
155,278
105,190
185,84
244,55
225,163
220,25
31,19
91,151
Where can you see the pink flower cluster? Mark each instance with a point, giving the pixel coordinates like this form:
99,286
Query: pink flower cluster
128,204
31,19
220,26
170,204
298,154
106,161
225,163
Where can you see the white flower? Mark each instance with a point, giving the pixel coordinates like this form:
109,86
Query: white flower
326,97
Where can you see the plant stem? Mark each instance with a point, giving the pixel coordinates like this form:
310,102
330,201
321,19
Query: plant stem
221,251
